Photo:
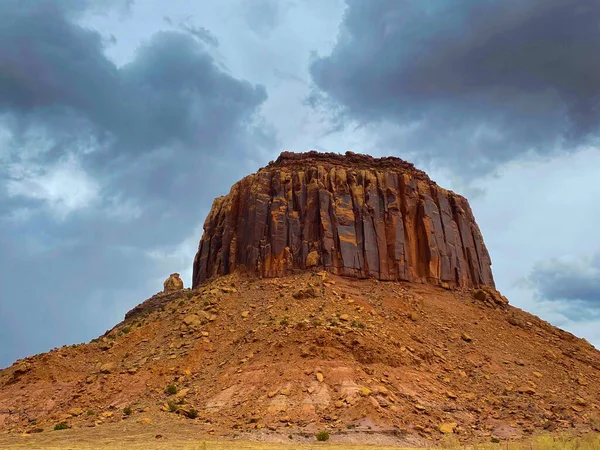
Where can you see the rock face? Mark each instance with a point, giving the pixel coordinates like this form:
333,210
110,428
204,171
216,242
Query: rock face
173,283
351,215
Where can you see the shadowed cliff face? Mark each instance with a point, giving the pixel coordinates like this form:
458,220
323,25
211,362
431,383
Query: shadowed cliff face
351,215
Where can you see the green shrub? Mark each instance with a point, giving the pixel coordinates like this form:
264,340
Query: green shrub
126,330
172,389
322,436
173,407
90,412
192,413
60,426
127,411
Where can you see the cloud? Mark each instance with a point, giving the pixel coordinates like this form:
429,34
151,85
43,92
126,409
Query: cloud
263,16
469,83
103,167
202,34
569,280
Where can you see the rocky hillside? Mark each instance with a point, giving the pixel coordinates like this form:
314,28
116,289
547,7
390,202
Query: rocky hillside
315,351
353,215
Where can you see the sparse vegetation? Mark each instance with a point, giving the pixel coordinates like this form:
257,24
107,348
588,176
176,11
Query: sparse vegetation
322,436
284,322
357,324
91,412
126,330
192,413
127,411
173,407
61,426
171,389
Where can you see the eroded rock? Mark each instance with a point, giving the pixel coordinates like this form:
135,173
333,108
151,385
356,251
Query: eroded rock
350,215
173,283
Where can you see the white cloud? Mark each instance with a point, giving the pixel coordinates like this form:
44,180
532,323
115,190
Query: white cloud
65,186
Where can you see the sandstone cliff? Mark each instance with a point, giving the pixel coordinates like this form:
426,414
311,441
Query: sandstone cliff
352,215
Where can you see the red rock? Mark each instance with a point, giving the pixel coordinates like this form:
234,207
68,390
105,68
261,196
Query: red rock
352,215
173,283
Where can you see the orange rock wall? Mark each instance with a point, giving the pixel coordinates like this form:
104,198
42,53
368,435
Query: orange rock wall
352,215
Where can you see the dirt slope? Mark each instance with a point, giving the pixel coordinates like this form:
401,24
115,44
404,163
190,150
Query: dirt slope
315,351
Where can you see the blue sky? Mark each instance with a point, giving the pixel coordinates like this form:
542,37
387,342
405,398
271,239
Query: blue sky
120,123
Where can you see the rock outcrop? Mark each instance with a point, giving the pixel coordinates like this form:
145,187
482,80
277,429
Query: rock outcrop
173,283
351,215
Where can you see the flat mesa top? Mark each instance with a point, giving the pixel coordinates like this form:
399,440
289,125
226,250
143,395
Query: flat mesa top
349,159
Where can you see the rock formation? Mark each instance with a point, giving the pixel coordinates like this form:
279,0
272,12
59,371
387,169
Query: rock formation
351,215
173,283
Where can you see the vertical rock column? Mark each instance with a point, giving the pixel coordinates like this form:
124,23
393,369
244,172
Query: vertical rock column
387,221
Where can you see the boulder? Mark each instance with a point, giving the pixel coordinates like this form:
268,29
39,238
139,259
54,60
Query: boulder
173,283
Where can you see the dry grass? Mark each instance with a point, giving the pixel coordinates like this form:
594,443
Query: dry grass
80,439
546,442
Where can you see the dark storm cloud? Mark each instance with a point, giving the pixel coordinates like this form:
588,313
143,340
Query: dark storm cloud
172,92
487,80
160,136
573,281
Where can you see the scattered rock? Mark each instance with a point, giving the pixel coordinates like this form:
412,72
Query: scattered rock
107,367
365,391
526,390
310,292
76,411
192,320
448,428
313,259
465,337
182,393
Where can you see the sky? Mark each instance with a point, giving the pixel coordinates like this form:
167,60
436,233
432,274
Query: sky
121,120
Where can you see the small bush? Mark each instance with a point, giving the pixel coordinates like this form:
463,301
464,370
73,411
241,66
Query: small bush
172,389
285,322
111,336
60,426
357,324
90,412
173,407
181,303
192,414
126,330
127,411
322,436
